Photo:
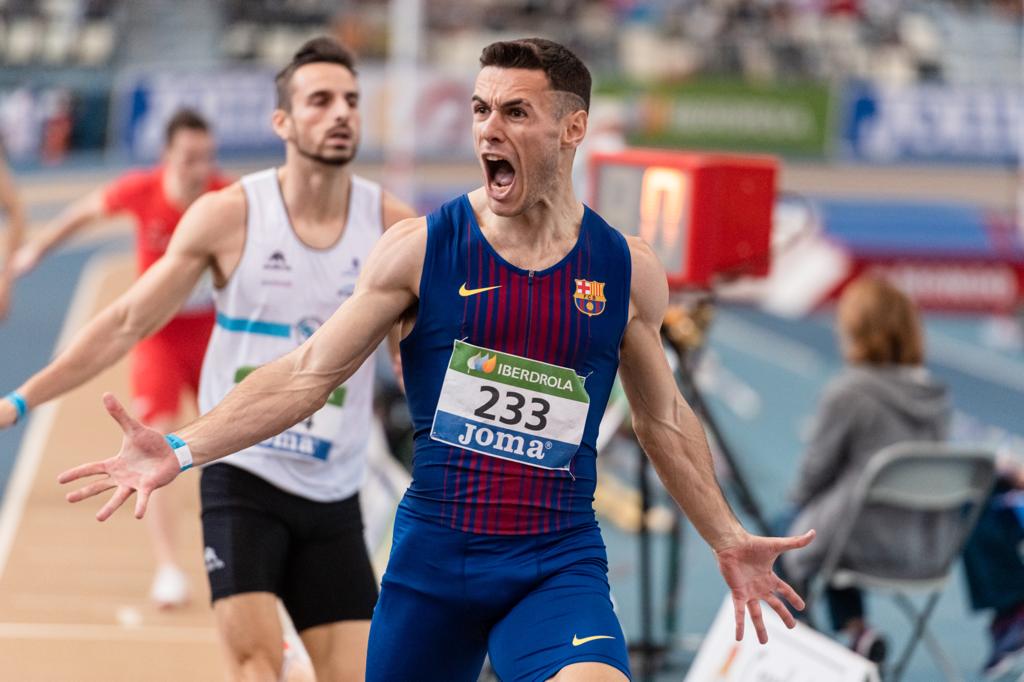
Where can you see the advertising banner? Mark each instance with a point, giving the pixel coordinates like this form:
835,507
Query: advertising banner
931,123
789,119
239,104
41,125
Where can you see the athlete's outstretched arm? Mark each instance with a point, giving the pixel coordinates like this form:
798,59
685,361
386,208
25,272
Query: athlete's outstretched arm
10,202
281,393
673,438
76,216
150,302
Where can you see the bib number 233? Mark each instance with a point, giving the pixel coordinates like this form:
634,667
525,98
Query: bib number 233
511,407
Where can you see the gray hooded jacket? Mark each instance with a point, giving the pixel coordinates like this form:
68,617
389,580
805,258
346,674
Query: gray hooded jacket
863,410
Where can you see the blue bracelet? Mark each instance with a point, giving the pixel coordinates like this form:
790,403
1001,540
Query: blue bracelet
181,451
19,403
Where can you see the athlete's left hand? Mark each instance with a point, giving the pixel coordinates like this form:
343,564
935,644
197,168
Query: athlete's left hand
146,462
747,569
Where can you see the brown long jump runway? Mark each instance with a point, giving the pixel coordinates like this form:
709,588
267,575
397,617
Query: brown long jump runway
73,592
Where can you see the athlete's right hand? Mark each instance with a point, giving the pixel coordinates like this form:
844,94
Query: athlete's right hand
146,462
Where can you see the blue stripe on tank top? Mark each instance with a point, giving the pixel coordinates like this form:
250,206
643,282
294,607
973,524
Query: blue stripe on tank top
235,324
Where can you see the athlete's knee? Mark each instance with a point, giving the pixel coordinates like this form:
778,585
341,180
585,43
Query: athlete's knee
338,650
251,633
256,661
589,672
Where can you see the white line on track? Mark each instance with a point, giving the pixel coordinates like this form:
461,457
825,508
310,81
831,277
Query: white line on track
93,632
763,344
973,359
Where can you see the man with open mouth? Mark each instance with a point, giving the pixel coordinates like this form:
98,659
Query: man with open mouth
517,305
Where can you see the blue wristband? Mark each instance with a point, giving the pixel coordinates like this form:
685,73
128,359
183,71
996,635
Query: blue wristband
19,403
181,451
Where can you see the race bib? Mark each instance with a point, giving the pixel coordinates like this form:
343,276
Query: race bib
313,437
511,407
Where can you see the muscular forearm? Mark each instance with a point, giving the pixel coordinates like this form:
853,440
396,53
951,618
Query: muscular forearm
270,400
291,388
15,236
65,227
16,220
679,451
71,220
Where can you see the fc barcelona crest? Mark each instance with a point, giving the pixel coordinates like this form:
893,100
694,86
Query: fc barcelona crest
589,297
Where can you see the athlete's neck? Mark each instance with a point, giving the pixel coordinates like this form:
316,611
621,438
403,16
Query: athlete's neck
540,236
315,194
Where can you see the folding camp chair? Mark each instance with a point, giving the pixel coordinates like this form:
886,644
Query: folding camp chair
949,481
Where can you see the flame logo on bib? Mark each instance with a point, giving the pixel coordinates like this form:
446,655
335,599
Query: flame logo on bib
482,362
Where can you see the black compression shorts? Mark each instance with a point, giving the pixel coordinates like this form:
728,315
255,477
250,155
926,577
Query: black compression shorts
260,538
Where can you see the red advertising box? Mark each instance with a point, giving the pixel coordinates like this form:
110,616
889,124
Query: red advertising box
706,215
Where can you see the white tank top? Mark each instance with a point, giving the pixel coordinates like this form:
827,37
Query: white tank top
280,293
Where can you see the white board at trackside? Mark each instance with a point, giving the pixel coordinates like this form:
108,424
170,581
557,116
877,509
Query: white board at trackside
798,655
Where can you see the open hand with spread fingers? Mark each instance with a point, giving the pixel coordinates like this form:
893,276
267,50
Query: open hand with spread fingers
146,462
747,569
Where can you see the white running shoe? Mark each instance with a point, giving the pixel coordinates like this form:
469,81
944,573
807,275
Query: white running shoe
170,587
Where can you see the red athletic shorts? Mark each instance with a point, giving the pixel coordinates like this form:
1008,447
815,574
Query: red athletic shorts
166,364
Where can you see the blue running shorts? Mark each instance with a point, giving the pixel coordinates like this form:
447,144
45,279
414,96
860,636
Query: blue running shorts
534,603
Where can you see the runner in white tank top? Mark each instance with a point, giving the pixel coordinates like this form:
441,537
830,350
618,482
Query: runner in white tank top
281,519
280,293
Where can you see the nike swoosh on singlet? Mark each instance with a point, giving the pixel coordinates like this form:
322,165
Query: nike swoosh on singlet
576,641
463,291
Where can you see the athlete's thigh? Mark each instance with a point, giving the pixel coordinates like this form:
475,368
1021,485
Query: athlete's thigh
338,650
249,629
422,628
567,619
246,546
414,636
328,576
589,672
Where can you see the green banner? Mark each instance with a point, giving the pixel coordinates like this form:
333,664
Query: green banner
732,115
514,370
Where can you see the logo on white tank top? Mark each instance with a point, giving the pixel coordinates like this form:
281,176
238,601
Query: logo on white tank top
305,328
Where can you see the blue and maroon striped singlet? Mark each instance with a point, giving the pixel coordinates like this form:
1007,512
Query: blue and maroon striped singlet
571,315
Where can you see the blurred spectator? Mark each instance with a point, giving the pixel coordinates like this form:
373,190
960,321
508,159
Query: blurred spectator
884,396
670,40
995,571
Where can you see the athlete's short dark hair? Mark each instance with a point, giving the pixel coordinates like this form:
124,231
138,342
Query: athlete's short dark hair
314,51
184,119
565,71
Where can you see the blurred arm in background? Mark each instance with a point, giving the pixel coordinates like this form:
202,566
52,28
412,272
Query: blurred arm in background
79,214
12,206
210,234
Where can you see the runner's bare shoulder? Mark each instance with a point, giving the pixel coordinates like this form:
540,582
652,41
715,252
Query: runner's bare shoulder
397,260
217,215
648,287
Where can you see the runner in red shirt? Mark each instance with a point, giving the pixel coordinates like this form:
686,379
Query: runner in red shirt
166,365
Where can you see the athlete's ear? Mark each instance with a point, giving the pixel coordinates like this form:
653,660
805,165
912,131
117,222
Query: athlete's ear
281,122
574,128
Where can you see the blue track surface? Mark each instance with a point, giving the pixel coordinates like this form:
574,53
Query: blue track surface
28,335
